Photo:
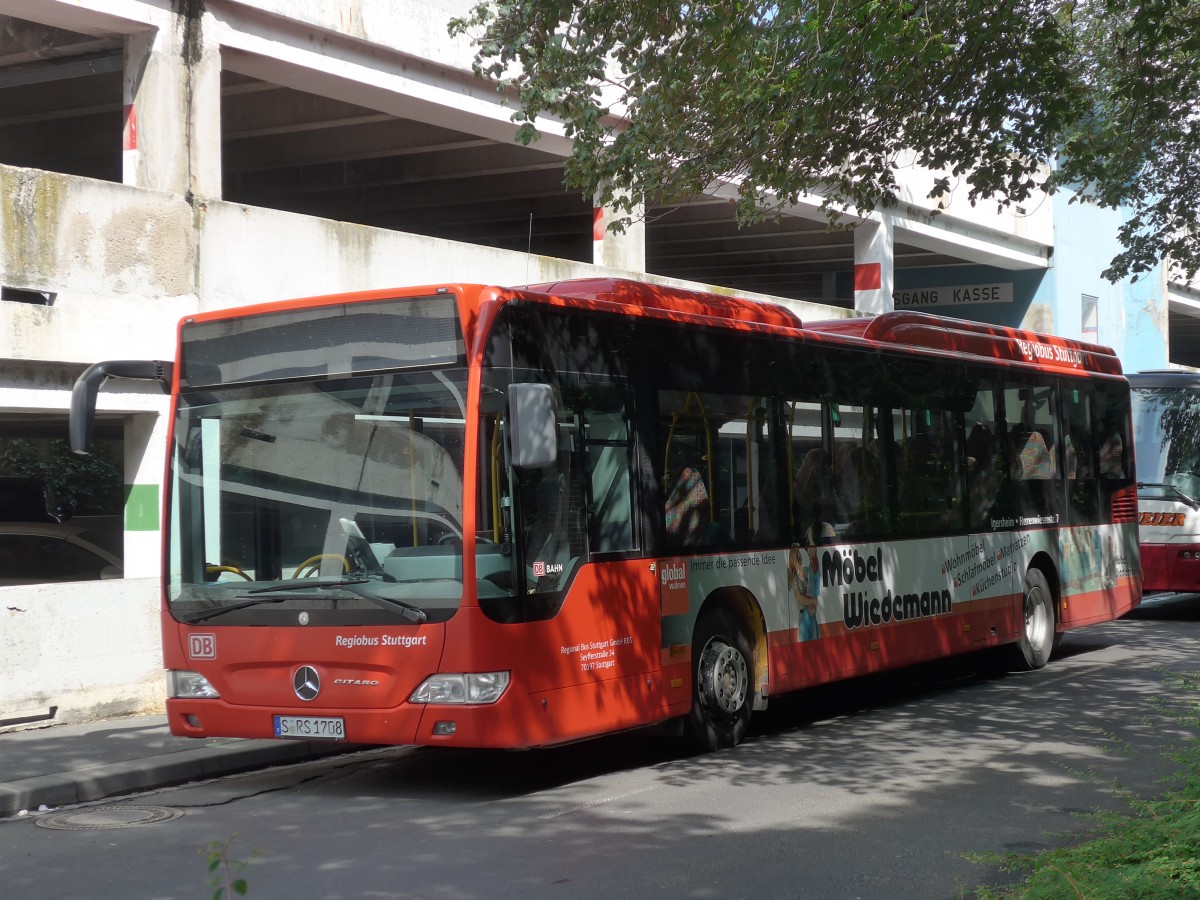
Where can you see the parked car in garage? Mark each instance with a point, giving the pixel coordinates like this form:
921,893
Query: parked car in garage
39,552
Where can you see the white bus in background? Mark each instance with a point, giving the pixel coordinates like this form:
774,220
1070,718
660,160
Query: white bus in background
1166,428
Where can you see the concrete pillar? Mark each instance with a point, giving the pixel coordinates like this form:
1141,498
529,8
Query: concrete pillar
874,277
172,91
145,449
625,251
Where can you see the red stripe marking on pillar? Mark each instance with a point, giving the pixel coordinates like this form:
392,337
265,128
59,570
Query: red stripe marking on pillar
129,136
597,223
867,277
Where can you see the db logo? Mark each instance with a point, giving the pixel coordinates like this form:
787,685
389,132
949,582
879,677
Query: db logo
202,646
539,569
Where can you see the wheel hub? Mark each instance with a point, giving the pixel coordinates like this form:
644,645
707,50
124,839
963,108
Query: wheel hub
1036,621
728,681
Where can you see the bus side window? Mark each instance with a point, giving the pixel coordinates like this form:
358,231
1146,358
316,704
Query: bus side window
608,445
982,481
719,469
688,439
1111,432
1035,478
810,470
859,471
929,483
1083,501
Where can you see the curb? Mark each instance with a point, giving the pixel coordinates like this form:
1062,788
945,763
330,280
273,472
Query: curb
166,770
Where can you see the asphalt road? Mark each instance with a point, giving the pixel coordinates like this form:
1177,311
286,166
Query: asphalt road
877,788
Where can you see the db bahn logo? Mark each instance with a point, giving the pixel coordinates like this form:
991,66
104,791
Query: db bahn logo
202,646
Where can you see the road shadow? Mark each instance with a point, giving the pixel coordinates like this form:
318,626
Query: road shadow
1167,608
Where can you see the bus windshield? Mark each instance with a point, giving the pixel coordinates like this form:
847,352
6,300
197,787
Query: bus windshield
339,497
1166,425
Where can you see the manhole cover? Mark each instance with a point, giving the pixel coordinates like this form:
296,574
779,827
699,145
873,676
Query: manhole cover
107,817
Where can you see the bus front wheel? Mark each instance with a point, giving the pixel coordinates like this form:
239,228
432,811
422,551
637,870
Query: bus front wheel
721,689
1037,628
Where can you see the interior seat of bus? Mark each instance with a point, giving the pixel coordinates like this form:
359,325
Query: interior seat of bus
688,508
928,497
982,483
1031,456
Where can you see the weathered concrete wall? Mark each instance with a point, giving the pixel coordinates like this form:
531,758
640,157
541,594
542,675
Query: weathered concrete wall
253,255
112,255
91,650
120,263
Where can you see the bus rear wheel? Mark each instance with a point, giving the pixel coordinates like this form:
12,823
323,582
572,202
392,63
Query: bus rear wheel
1037,640
721,688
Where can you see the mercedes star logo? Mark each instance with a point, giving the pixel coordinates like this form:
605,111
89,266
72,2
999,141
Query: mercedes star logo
307,683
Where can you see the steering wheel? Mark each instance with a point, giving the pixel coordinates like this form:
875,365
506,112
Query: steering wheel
215,571
449,538
313,564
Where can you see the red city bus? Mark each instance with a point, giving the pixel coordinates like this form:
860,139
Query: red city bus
1166,433
476,516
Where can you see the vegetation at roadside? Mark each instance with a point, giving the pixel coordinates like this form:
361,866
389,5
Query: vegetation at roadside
1151,850
224,871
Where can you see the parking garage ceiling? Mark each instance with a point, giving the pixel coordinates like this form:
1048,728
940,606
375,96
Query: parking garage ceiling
61,110
282,148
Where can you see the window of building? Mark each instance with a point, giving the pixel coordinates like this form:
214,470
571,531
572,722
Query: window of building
61,514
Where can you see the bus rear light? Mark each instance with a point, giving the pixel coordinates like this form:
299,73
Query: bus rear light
183,685
456,688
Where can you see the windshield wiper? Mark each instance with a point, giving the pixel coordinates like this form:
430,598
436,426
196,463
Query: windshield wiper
254,601
284,589
1184,498
307,583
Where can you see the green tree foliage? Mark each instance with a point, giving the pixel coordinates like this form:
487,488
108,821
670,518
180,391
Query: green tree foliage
79,484
829,97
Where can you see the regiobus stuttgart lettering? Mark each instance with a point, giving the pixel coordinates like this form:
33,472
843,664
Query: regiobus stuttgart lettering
385,640
1034,350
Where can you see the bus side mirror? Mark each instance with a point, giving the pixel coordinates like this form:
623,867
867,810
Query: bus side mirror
533,433
87,386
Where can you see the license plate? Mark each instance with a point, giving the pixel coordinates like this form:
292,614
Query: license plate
311,728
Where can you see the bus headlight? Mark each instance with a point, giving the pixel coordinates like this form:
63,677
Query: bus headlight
471,687
183,685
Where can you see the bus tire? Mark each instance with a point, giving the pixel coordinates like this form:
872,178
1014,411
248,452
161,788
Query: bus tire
722,695
1037,639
